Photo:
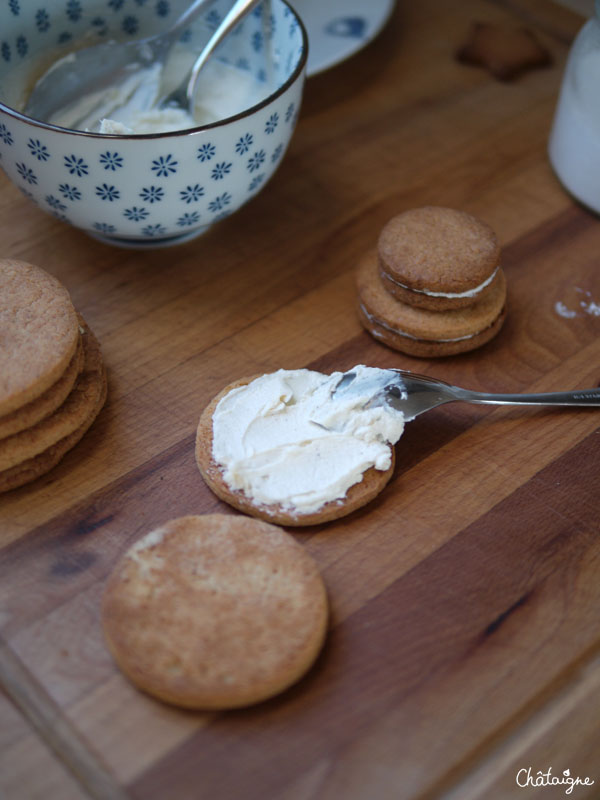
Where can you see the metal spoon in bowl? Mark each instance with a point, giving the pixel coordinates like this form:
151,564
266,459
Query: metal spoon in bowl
108,64
414,394
183,95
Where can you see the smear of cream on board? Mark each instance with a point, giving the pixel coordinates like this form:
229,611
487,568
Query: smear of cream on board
585,304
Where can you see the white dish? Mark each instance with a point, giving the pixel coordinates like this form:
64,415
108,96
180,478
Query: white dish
337,29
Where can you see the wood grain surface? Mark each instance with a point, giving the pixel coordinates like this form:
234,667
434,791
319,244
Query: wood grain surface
464,643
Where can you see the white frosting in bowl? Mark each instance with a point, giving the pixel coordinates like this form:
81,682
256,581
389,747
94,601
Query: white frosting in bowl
133,106
287,439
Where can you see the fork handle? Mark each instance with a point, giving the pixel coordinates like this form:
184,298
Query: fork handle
581,397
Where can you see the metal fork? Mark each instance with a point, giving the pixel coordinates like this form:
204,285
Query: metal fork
414,394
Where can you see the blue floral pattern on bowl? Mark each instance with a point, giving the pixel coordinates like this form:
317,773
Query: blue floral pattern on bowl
151,189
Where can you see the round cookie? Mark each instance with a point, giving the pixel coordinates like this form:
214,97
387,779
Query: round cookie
420,332
358,495
438,258
215,612
39,330
42,406
78,410
32,468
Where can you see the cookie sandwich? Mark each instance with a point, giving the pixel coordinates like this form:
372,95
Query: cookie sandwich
215,612
52,377
434,285
299,447
420,332
438,258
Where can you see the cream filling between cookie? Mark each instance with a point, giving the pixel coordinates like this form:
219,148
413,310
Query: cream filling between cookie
287,439
452,295
398,332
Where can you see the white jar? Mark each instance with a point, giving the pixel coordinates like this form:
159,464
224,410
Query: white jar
574,146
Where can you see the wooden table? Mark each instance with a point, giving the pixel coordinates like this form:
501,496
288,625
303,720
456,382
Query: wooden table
465,629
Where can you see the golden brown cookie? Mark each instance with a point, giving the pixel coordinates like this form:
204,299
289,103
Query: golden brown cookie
39,329
438,258
422,333
358,495
42,406
77,411
215,612
506,51
27,471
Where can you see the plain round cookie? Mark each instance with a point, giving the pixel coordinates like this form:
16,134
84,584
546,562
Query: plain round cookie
358,495
420,332
78,410
39,329
433,257
215,612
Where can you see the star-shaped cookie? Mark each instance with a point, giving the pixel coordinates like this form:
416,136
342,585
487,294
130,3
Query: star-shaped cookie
505,51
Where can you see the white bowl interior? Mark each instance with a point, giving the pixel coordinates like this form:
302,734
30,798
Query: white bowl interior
157,187
33,36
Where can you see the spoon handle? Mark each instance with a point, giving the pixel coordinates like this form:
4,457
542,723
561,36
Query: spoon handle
581,397
187,17
238,10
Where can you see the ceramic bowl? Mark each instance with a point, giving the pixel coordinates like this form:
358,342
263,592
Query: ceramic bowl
153,189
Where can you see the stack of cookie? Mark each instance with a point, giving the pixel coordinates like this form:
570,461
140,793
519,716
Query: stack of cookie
434,286
52,378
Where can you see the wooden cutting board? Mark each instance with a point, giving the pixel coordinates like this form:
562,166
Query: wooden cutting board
465,636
